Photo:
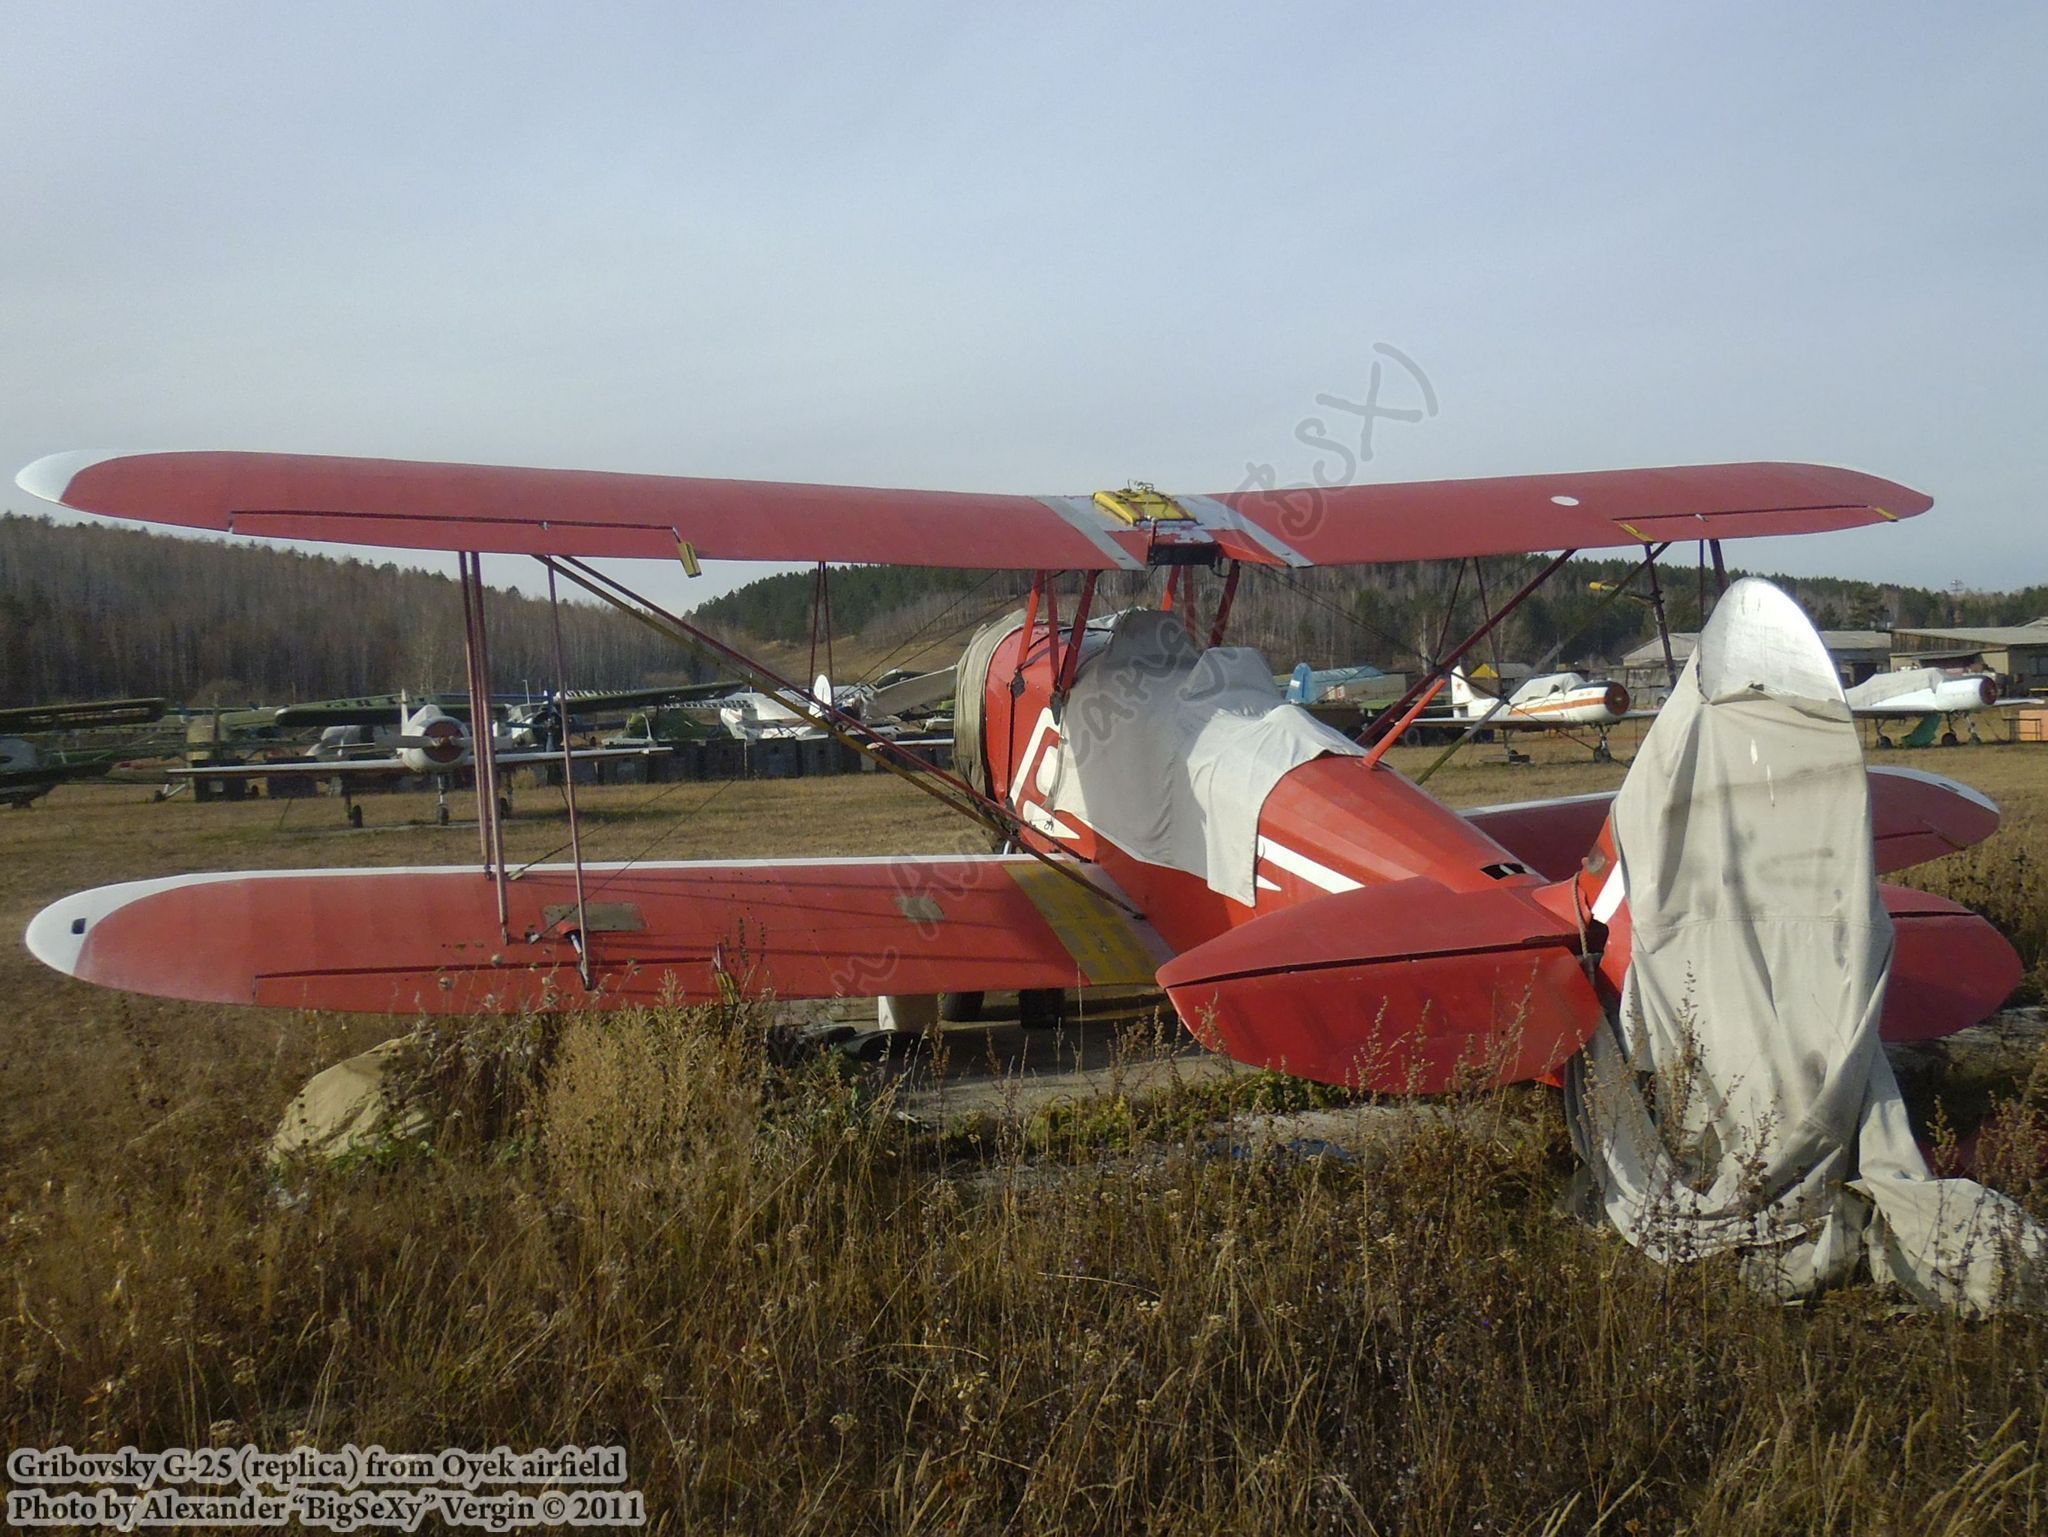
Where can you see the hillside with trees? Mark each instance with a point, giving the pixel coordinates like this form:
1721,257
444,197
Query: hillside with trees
89,611
1391,616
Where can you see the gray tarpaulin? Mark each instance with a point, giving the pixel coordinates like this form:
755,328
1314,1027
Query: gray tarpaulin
1743,1101
1170,751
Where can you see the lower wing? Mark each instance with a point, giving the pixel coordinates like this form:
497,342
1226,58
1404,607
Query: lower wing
580,754
325,768
427,940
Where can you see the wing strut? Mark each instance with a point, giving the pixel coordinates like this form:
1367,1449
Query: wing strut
1478,722
948,789
1399,708
1222,623
1663,623
569,782
482,731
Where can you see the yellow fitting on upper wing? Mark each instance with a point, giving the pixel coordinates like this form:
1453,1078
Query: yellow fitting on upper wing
1139,503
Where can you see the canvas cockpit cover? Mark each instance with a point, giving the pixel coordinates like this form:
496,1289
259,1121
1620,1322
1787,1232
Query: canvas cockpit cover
1743,1101
1170,751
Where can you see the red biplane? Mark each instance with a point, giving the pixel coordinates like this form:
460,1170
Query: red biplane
1161,813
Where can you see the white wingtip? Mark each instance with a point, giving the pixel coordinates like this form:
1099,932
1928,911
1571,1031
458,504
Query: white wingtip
51,476
56,935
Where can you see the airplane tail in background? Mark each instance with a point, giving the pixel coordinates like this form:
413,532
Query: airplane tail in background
1465,701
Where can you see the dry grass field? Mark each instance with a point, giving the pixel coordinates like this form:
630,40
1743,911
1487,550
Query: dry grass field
800,1314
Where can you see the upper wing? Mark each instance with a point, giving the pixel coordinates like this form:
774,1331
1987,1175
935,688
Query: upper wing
583,512
427,940
592,700
374,711
95,712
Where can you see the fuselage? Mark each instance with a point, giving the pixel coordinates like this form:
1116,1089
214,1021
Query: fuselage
1924,691
1331,825
1552,699
427,740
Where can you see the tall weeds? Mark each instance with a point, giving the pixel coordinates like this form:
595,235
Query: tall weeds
800,1314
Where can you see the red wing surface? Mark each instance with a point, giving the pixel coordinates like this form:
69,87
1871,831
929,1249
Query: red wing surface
427,940
418,505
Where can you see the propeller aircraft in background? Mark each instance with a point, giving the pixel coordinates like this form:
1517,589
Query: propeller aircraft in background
31,768
1931,697
369,739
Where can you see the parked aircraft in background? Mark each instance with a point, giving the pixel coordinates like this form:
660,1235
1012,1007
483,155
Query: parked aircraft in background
1932,696
428,741
31,769
1312,685
1546,701
755,716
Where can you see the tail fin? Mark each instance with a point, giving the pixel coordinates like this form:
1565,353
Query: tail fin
1463,700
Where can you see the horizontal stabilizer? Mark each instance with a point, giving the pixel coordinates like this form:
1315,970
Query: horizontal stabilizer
1950,968
1915,817
1406,988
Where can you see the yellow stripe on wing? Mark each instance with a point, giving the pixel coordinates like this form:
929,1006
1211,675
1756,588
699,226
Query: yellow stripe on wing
1099,937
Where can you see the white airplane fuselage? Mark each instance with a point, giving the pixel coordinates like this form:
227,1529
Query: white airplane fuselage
427,740
1924,691
1551,699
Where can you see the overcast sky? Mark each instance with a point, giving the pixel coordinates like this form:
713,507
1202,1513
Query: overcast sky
1043,248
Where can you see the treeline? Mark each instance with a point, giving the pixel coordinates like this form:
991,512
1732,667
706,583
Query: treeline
89,611
1389,615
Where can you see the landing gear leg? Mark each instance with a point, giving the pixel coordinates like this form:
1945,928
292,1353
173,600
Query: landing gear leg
1602,753
959,1008
441,802
1041,1008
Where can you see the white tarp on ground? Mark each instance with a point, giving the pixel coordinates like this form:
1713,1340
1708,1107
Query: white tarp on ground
1744,1102
1170,751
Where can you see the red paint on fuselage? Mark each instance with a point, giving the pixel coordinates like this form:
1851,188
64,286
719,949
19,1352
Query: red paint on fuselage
1329,825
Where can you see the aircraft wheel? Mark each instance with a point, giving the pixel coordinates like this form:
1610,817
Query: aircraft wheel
355,816
1041,1008
441,815
504,808
960,1008
1950,739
